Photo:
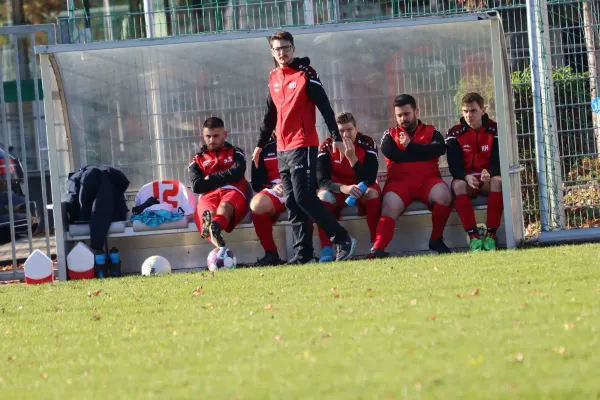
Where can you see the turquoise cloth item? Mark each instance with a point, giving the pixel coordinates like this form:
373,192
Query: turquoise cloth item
156,217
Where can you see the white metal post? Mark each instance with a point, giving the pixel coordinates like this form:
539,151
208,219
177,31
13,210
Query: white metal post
149,15
54,166
309,15
157,122
545,124
108,30
511,183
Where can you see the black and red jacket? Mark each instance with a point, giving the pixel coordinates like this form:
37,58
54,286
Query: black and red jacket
225,169
294,91
471,151
333,172
267,173
419,160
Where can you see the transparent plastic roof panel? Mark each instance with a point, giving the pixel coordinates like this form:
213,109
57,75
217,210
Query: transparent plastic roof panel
141,107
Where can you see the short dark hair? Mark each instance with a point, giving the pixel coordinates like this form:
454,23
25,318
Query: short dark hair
282,35
344,118
473,97
213,123
405,99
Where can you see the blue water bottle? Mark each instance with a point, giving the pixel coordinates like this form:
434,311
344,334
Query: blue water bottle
351,200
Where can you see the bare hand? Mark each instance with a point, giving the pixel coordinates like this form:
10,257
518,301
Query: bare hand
256,156
351,190
404,139
485,176
472,181
349,150
278,189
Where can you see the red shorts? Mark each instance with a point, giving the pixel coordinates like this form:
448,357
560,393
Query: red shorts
410,190
211,201
340,201
278,202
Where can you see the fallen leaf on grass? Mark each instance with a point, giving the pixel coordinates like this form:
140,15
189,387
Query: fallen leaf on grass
559,350
476,361
332,290
519,357
269,307
1,381
12,358
336,295
278,338
97,292
327,335
435,269
475,292
413,302
569,325
198,291
174,333
89,294
304,355
262,274
31,364
511,387
383,300
69,381
44,375
11,282
6,332
418,385
433,318
460,295
369,289
85,373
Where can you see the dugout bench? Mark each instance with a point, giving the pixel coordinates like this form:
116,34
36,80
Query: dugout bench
181,244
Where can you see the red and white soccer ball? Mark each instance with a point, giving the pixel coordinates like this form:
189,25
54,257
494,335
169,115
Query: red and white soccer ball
221,258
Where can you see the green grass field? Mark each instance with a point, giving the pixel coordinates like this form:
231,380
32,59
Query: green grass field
522,324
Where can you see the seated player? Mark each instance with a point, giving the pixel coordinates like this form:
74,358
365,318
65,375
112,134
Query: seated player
412,150
474,162
268,203
217,174
338,176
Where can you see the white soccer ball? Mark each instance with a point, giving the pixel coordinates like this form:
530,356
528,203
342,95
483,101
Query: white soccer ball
156,265
221,258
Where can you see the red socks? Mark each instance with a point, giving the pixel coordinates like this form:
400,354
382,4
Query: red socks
372,212
263,225
494,210
384,233
222,220
439,217
465,211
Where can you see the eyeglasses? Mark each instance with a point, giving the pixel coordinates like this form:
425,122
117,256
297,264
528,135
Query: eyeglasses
284,49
